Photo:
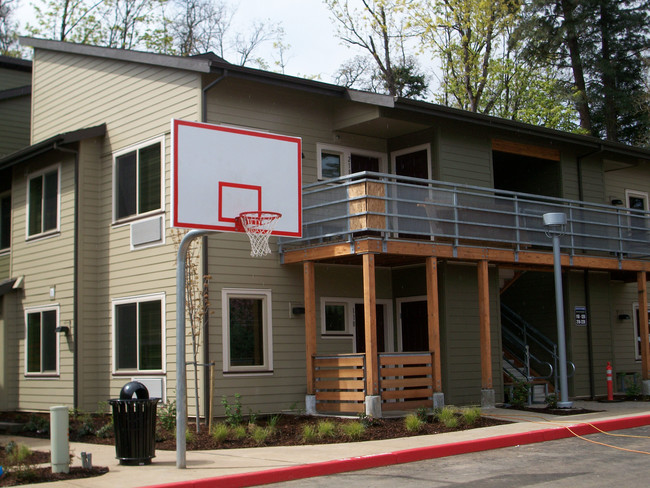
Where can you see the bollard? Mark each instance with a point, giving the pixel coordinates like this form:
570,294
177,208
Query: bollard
60,442
610,385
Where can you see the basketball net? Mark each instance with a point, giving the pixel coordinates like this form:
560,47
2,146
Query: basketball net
258,226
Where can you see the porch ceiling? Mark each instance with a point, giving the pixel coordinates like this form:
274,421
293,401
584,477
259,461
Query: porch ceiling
383,127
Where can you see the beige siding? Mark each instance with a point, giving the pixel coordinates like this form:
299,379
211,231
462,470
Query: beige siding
4,266
45,263
635,178
137,104
14,124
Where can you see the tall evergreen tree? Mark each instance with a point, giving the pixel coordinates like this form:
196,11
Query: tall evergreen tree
601,47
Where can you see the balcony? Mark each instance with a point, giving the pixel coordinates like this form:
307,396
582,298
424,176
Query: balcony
393,208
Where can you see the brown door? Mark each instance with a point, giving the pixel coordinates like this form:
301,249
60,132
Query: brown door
415,335
360,328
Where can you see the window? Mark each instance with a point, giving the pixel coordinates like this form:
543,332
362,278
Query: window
247,329
138,181
138,333
335,161
5,221
636,200
335,318
42,343
344,317
43,202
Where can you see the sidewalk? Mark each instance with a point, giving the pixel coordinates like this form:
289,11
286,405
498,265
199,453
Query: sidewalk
251,467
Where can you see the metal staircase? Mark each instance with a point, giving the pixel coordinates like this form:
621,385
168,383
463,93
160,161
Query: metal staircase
528,356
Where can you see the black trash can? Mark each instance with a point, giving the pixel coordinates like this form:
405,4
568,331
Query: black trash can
134,423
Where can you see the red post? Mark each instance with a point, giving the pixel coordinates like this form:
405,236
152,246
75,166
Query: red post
610,386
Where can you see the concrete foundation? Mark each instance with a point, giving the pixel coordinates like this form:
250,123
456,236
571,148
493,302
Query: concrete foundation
645,387
438,400
373,406
487,398
310,404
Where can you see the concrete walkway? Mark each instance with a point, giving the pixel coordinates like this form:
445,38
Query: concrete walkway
251,467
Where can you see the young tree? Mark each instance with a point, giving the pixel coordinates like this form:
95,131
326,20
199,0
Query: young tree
200,26
68,20
8,35
197,307
379,29
464,35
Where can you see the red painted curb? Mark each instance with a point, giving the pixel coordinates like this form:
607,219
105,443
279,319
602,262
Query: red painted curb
408,456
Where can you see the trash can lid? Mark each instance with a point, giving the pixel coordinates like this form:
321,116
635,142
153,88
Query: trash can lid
134,388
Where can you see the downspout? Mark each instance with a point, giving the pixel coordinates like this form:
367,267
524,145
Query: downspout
204,264
585,278
75,279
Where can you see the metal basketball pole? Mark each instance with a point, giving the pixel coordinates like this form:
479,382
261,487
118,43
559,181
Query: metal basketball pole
181,386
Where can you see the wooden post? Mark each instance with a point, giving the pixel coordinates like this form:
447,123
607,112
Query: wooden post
370,316
310,322
643,324
484,319
434,322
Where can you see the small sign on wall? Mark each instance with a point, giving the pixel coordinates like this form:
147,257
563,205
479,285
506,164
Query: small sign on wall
581,316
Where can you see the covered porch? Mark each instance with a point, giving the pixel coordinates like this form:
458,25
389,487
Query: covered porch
382,221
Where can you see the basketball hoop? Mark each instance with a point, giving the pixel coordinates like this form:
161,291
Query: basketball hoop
258,226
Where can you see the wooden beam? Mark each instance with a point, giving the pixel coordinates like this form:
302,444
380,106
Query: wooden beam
484,319
643,324
310,322
370,316
525,149
433,318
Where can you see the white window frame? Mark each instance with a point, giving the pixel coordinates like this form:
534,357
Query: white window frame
41,309
161,297
163,167
350,329
267,337
637,337
346,157
348,305
638,194
413,149
57,229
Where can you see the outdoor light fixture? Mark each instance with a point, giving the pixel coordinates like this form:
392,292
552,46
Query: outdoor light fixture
555,227
63,329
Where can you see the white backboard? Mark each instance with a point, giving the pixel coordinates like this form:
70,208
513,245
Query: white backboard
219,172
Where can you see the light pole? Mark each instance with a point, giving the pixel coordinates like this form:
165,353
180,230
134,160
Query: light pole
554,225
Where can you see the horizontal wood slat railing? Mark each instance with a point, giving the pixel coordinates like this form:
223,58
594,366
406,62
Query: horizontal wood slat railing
340,383
406,381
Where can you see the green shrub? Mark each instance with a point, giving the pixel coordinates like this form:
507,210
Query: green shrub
423,414
273,422
105,430
38,424
413,422
520,394
190,436
220,432
233,412
354,430
239,431
260,434
17,453
366,420
309,433
448,417
551,401
167,416
471,415
326,428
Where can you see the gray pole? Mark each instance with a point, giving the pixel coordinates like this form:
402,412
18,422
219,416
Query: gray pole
181,387
559,311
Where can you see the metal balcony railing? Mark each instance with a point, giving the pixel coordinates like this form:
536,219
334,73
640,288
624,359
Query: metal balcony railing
393,206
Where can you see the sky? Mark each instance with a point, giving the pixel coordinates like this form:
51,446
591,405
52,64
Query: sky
314,51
